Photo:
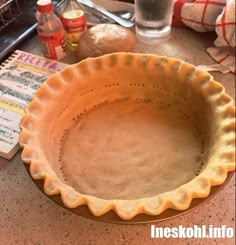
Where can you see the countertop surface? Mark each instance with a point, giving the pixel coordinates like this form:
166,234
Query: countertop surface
27,216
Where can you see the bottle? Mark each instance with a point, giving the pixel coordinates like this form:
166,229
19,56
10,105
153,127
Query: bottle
50,31
74,21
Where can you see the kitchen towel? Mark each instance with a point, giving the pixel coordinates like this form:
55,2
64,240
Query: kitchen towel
211,15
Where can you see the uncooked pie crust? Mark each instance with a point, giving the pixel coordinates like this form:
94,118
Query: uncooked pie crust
131,133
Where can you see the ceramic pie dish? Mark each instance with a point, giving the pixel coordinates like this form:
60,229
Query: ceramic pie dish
132,133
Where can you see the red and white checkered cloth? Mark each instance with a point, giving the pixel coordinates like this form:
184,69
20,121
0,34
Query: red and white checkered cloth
211,15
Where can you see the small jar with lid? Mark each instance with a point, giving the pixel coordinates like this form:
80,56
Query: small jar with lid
73,18
50,31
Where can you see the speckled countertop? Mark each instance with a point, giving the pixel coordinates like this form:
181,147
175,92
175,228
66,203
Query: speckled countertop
27,216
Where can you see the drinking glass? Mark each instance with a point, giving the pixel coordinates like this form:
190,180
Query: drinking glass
153,18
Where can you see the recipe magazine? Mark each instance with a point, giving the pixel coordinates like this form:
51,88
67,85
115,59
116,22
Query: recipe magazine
21,75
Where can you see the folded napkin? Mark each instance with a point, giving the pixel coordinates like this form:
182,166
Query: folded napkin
211,15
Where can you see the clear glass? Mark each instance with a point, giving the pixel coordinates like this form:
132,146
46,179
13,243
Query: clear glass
153,18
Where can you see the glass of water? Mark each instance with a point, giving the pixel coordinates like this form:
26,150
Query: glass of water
153,18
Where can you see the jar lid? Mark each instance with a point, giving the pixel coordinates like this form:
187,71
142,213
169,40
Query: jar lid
44,6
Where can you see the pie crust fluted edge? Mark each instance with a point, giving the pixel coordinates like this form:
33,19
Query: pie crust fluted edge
215,172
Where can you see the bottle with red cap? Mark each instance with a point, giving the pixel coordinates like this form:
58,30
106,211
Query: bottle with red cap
50,31
74,21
